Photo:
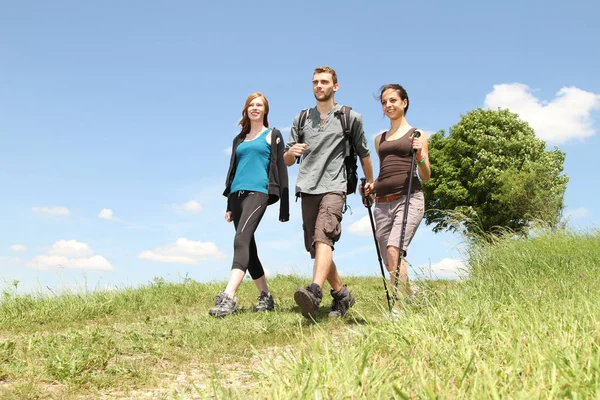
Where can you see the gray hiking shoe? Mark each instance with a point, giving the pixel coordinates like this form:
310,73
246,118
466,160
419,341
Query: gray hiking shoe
265,302
342,301
308,299
224,305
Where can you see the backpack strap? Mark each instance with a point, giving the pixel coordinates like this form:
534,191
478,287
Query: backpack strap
344,116
345,112
301,123
350,155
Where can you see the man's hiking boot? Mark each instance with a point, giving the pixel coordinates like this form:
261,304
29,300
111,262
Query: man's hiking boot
308,299
265,302
342,301
225,305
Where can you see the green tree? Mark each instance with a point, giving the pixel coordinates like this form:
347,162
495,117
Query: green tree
492,172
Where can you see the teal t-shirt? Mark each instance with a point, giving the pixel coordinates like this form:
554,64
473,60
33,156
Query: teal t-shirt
252,165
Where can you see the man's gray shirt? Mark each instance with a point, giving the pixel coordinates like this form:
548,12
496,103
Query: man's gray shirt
322,168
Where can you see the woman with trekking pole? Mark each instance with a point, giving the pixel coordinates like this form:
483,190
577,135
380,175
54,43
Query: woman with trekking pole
257,178
399,202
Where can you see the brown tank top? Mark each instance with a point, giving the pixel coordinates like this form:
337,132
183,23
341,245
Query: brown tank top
394,166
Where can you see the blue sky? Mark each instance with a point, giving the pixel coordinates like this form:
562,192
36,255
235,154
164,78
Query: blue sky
116,119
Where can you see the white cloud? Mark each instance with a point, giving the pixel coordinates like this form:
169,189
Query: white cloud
285,129
580,212
362,227
9,261
46,262
447,268
70,248
52,210
191,206
183,251
228,150
107,213
18,248
50,262
565,117
94,262
70,254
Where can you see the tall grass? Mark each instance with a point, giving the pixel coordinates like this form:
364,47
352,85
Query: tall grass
525,325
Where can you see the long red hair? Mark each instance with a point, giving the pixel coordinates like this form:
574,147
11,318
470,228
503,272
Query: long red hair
245,121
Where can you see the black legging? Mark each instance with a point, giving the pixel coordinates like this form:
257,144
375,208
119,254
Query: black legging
247,209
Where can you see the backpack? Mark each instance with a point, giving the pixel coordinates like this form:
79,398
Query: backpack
350,157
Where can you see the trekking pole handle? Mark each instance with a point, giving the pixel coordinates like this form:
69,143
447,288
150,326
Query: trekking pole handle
416,134
366,199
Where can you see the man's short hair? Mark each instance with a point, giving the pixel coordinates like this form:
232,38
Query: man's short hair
326,69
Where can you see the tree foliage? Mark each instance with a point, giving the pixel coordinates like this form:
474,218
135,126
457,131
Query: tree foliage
492,172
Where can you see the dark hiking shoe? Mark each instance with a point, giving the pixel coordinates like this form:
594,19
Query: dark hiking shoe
265,302
308,299
225,305
342,301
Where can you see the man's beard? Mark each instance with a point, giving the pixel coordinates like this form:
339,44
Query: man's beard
326,97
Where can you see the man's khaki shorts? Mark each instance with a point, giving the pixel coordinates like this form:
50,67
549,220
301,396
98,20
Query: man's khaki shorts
322,219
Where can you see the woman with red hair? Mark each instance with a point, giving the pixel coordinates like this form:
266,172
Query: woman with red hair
257,178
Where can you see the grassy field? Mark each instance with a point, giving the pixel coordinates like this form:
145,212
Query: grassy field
525,325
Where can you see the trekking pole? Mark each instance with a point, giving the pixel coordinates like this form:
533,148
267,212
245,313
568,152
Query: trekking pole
406,204
367,203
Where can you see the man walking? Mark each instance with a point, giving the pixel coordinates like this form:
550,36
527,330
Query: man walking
317,137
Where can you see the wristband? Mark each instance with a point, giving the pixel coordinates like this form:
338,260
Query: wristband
422,161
